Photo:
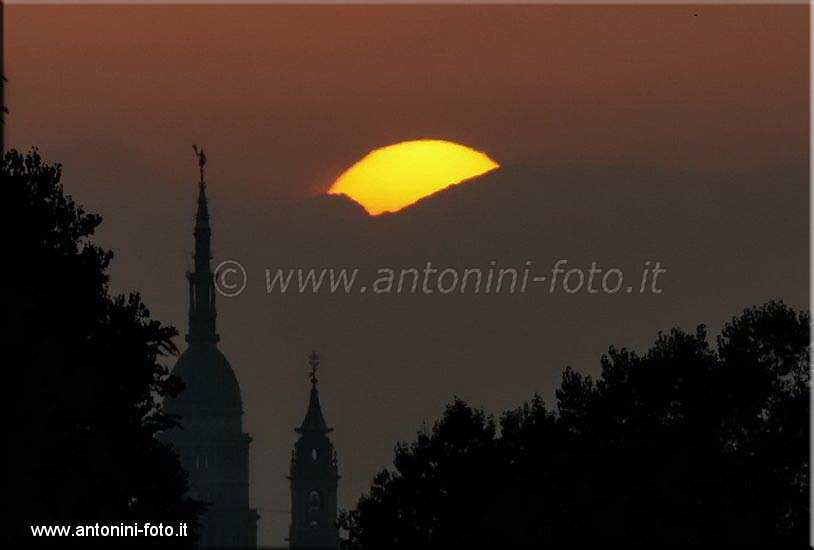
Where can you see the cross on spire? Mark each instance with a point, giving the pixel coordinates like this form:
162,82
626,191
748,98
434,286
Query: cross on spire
201,161
313,362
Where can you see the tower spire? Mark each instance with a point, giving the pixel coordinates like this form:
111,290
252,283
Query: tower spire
201,162
202,216
313,362
212,446
202,312
314,478
314,421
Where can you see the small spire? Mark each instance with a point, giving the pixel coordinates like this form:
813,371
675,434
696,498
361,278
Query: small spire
202,313
314,420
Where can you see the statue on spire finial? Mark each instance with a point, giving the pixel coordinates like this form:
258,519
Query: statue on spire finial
201,160
313,362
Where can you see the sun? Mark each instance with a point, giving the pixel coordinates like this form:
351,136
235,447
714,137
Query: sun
395,176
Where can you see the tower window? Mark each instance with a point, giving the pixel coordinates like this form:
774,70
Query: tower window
314,506
314,454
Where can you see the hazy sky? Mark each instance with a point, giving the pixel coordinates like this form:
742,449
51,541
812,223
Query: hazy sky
669,133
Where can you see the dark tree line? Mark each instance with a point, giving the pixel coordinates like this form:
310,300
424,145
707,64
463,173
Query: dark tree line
685,445
83,377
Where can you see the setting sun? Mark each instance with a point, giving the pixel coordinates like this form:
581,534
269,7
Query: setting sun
390,178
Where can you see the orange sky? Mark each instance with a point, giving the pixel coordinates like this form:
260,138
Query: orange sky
314,88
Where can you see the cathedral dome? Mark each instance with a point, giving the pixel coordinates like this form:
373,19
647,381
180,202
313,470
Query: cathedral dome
211,389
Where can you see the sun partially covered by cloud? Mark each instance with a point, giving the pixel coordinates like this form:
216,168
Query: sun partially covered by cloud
392,177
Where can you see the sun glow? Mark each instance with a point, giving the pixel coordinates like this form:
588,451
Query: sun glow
390,178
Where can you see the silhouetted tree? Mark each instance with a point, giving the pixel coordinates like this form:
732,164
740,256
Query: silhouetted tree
683,445
83,377
447,471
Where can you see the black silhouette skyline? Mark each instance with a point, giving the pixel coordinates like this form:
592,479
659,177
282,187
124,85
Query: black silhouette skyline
684,444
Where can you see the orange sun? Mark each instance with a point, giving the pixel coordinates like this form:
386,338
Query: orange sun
390,178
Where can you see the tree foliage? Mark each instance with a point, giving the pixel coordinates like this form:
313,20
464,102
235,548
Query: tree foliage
685,444
85,378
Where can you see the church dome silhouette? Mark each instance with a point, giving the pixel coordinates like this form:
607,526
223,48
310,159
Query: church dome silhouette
211,385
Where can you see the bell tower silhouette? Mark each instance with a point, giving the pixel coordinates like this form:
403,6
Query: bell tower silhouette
210,441
314,478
